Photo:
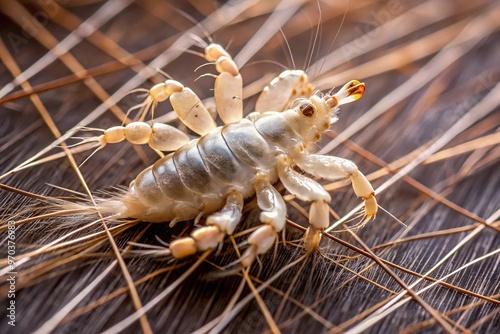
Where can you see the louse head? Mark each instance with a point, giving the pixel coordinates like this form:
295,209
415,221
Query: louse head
314,115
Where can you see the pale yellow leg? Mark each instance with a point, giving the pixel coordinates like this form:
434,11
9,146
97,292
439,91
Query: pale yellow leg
282,90
219,225
228,89
273,216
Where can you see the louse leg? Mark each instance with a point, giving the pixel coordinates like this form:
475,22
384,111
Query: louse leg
282,90
230,215
273,216
219,225
187,105
334,168
158,93
159,136
228,88
309,190
191,111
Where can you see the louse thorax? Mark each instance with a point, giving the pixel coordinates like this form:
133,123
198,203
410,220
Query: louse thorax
312,116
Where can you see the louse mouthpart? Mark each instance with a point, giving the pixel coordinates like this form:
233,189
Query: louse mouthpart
350,92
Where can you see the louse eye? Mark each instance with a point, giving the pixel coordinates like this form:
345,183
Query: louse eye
307,109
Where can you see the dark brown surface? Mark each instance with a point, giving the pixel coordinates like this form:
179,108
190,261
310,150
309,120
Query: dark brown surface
445,203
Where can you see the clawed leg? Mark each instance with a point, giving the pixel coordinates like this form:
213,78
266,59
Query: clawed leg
309,190
188,108
282,90
228,89
333,168
224,222
273,216
218,225
159,136
187,105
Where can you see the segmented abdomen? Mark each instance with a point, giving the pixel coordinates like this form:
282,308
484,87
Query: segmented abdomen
200,174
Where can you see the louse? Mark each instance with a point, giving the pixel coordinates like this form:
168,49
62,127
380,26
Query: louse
212,175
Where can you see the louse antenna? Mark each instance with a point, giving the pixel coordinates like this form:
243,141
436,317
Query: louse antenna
316,36
287,45
334,38
196,23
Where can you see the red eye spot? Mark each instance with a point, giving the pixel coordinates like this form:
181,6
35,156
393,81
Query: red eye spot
307,109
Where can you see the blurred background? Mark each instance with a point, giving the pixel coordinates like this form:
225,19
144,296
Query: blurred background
426,134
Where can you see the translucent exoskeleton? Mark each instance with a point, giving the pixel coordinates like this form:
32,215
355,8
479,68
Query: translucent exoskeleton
213,174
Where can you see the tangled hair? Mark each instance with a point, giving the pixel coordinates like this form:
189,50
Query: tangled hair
425,133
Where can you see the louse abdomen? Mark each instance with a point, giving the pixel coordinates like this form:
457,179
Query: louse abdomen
199,175
248,145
